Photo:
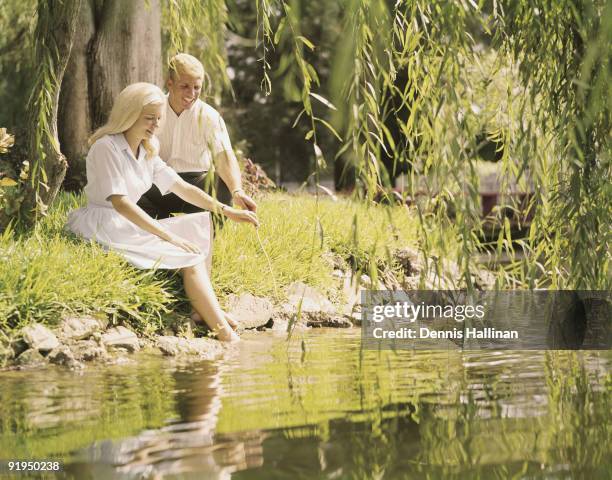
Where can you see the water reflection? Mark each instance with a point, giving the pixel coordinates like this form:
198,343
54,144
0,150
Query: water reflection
320,408
187,446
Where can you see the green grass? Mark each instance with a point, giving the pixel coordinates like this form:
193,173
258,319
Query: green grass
301,236
48,273
51,273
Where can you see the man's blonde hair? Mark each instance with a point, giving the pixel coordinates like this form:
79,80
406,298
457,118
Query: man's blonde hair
185,64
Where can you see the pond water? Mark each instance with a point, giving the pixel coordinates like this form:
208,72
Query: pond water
318,407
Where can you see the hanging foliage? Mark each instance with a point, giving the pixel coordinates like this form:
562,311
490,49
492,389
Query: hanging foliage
419,88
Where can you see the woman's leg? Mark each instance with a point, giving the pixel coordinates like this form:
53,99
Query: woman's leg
200,292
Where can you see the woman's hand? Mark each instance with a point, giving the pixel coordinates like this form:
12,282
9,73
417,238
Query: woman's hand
241,215
181,243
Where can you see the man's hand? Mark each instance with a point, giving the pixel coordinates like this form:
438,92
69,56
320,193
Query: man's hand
242,200
241,215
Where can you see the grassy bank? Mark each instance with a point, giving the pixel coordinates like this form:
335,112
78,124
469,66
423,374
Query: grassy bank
49,273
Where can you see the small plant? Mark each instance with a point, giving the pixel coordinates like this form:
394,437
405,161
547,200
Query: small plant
6,140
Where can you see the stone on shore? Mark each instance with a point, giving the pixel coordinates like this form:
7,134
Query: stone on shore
250,311
311,299
39,337
62,355
87,350
440,274
205,348
80,328
31,358
323,319
121,337
315,310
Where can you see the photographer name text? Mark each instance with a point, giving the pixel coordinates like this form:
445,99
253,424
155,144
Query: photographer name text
424,332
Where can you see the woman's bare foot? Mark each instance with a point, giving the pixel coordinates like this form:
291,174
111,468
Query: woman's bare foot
227,335
228,318
231,321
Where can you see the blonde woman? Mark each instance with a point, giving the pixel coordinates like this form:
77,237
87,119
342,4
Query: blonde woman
122,164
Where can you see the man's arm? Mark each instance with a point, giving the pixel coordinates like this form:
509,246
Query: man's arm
197,197
229,171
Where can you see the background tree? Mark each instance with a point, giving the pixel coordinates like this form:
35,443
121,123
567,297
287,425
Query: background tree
117,43
55,28
414,82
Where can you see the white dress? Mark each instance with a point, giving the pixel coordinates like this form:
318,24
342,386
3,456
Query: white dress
112,169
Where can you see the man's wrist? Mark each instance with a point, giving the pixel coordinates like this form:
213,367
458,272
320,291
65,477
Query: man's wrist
237,190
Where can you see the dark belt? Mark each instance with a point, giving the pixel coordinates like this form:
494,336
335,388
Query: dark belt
194,178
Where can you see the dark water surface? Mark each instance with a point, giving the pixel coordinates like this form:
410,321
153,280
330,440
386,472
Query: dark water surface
321,408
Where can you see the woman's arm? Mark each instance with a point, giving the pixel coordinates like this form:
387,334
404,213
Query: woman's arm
197,197
139,217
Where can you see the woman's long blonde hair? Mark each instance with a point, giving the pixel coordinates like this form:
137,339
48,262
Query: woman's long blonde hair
126,110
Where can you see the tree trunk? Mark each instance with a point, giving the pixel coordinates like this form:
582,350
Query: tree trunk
118,43
55,30
74,117
126,49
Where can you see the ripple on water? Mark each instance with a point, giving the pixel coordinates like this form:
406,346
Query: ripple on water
318,407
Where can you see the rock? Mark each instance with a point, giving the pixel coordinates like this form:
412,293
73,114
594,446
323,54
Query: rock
62,355
484,279
309,319
322,319
18,345
354,316
311,299
81,328
316,309
121,337
206,348
281,319
176,346
88,350
31,358
414,266
172,346
39,337
409,261
250,311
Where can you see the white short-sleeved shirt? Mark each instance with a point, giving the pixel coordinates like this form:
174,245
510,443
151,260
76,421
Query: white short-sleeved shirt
112,169
191,140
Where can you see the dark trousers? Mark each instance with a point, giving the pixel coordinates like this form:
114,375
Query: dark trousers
164,206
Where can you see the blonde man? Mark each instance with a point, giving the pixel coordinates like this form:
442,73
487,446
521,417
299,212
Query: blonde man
193,137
